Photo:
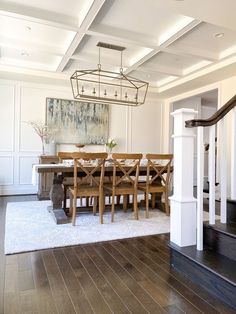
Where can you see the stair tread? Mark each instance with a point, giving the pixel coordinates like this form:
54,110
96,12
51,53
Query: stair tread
228,228
210,260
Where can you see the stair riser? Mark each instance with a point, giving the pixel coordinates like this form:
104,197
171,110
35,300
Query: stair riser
214,284
231,211
220,242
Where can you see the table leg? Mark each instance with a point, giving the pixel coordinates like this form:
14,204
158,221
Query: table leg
57,197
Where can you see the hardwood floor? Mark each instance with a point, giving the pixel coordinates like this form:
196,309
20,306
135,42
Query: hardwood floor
125,276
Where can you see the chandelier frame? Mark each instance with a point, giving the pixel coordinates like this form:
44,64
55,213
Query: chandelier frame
105,79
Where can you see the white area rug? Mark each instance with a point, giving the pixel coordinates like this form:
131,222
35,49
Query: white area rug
30,227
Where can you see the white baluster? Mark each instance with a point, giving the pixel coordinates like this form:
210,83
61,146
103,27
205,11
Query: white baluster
223,169
233,156
200,174
211,169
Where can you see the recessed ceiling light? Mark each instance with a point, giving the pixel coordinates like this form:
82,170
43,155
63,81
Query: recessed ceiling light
25,54
219,35
28,28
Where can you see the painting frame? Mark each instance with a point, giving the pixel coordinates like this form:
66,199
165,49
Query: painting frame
77,122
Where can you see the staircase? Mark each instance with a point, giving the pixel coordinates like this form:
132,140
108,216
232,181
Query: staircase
204,251
213,268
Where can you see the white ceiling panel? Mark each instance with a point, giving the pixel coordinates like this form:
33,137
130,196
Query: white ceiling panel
138,17
176,62
65,7
151,78
205,36
14,28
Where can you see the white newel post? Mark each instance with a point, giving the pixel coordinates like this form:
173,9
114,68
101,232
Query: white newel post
183,204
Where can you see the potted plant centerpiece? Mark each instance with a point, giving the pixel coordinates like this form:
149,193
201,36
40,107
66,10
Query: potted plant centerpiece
111,143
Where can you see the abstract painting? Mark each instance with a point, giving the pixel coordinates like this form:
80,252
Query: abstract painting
77,122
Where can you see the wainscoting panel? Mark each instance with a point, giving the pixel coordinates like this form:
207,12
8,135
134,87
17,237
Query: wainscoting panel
25,169
6,170
7,94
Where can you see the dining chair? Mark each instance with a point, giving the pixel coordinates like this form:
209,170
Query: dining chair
159,168
124,179
67,182
90,167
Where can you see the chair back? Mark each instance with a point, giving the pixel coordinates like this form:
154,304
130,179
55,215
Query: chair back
91,174
64,155
160,165
128,165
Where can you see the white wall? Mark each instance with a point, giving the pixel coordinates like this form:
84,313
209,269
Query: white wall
135,130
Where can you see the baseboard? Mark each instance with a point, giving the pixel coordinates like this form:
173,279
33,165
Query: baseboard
18,190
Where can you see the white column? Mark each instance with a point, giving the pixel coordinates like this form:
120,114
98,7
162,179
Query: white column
183,204
212,170
200,172
233,156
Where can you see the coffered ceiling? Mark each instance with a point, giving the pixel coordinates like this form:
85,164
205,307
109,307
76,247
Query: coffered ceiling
168,42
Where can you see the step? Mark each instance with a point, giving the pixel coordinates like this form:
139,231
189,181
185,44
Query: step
212,271
221,238
231,210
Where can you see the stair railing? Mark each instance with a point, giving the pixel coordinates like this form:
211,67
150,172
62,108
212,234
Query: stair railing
183,147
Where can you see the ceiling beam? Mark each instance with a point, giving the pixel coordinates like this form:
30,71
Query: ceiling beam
89,18
187,28
39,16
116,34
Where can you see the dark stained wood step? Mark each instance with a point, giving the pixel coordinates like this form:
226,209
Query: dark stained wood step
214,272
221,238
231,210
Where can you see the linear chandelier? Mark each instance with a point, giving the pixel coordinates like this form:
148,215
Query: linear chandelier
107,87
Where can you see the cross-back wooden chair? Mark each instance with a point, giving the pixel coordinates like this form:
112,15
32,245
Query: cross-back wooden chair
90,183
67,182
124,179
159,167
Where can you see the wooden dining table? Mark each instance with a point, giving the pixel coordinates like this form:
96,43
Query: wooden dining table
62,171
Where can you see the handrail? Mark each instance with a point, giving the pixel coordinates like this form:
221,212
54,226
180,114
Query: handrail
218,115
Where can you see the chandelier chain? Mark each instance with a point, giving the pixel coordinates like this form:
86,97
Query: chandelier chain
99,59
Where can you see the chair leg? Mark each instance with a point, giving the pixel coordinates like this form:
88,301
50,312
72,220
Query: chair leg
71,205
74,209
95,201
167,209
87,201
147,204
125,202
65,195
100,200
118,199
112,207
135,201
153,200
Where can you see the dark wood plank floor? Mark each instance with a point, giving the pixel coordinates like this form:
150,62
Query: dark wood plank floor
126,276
